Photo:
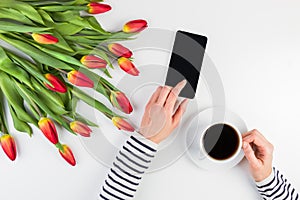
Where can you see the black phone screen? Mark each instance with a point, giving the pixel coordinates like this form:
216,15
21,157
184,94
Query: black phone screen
186,61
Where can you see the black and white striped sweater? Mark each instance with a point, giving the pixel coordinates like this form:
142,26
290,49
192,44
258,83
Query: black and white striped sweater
135,157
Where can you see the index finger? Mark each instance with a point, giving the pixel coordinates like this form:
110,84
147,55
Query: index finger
256,138
173,95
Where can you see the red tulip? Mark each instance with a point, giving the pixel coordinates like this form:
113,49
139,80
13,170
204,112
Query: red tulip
44,38
128,66
67,154
9,146
97,8
121,124
119,50
120,101
80,79
80,128
48,128
57,84
93,62
135,26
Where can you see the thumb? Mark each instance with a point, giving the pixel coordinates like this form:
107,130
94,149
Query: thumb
249,154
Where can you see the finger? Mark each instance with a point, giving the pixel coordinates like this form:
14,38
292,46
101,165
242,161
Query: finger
163,95
179,112
154,97
249,154
173,95
254,131
255,139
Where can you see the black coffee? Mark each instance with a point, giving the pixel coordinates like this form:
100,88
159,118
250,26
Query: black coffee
220,141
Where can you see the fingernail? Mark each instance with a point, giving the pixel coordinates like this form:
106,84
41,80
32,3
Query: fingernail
181,85
245,144
183,82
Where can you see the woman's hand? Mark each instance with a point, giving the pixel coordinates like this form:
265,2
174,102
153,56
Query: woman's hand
159,118
259,152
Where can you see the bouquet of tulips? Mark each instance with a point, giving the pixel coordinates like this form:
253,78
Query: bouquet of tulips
63,49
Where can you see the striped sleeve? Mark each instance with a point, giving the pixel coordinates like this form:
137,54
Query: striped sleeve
276,186
128,168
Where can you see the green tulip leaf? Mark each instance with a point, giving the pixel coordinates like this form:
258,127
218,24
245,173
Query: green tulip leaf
60,8
62,2
73,103
28,11
82,39
24,8
67,99
106,72
13,97
96,26
65,28
9,13
36,54
19,124
62,42
65,16
58,110
14,27
3,123
29,67
45,16
89,22
12,69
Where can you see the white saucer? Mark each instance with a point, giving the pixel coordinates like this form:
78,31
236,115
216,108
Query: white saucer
199,124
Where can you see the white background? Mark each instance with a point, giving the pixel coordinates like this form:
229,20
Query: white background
254,45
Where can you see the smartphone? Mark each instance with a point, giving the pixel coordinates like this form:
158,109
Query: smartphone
186,61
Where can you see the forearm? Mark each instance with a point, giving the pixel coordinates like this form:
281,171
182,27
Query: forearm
276,186
129,166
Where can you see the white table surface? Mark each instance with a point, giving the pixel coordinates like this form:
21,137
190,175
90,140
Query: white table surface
254,45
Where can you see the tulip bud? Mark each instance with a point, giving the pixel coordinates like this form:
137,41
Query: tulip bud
9,146
119,50
93,62
135,26
57,84
44,38
97,8
80,128
120,101
121,124
67,154
49,130
127,66
80,79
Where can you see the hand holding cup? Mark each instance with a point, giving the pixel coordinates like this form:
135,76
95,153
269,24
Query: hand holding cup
259,152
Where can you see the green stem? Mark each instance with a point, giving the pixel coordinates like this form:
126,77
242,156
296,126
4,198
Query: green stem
111,55
62,71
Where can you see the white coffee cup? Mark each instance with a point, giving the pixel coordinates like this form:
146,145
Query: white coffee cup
223,151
